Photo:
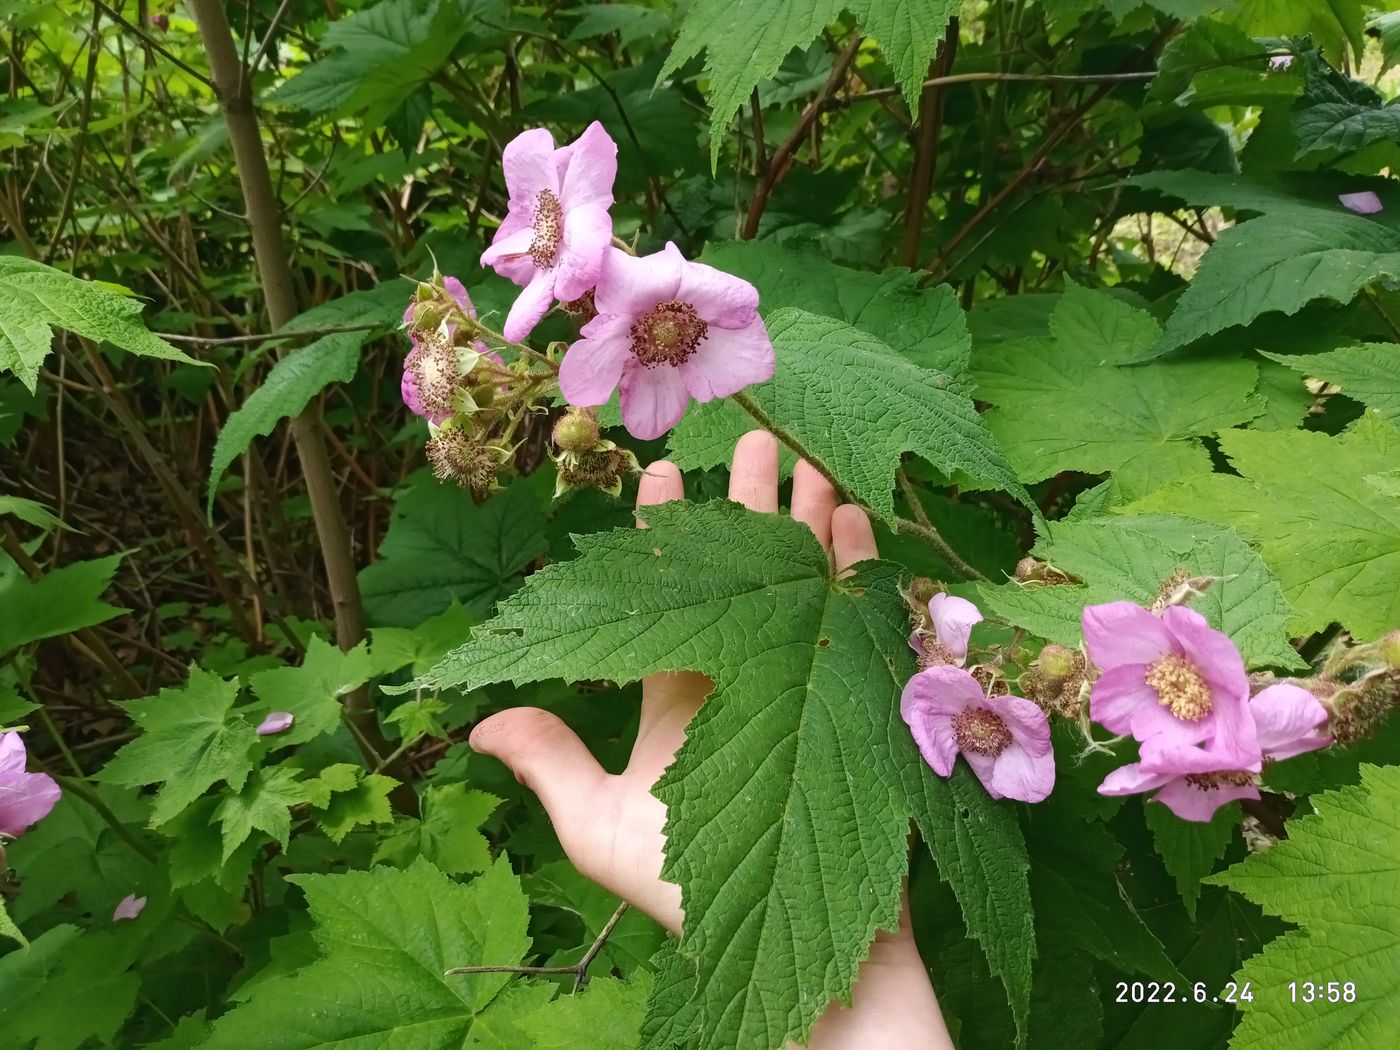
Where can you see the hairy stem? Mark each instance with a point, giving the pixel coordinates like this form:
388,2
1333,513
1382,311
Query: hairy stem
921,526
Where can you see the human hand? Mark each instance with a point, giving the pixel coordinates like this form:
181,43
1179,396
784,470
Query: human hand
611,826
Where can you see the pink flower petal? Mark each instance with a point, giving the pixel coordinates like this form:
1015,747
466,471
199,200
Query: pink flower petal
587,235
1364,203
1280,61
129,907
1030,728
1290,721
933,734
985,767
953,619
590,170
1198,804
276,722
513,247
1119,633
943,690
653,400
1122,702
721,299
728,360
629,287
25,798
592,367
1022,774
1219,664
528,163
530,306
1133,779
458,291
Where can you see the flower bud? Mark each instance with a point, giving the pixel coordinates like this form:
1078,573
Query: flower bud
1363,708
1031,570
577,431
1057,663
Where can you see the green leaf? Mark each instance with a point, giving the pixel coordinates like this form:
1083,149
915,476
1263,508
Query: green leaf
1330,536
297,378
1333,23
385,937
1190,849
41,985
378,57
1339,113
856,406
35,299
1066,404
1387,27
745,41
31,512
58,602
443,547
73,853
313,692
352,798
1302,249
392,648
1337,876
9,929
634,940
672,1015
1128,558
1366,373
789,803
264,803
449,834
191,739
1079,900
608,1010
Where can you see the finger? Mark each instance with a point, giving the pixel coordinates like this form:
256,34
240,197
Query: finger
813,500
661,483
548,758
753,479
852,538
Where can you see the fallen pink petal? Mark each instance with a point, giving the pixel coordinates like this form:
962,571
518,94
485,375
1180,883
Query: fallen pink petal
667,331
25,798
1005,739
129,907
276,722
1363,203
1280,61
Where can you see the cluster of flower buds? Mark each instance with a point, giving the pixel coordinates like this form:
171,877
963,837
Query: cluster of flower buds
1056,681
473,401
1360,686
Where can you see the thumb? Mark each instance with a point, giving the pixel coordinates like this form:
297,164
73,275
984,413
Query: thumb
548,758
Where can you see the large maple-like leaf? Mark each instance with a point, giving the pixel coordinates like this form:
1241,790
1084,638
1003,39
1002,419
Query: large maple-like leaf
790,802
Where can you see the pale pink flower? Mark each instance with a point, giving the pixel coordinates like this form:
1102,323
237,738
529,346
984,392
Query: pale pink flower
1194,782
667,330
557,227
1280,61
431,373
1173,677
1363,203
129,907
953,619
25,798
276,722
1005,739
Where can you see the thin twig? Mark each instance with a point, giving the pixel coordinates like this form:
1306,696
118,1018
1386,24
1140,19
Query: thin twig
578,969
778,164
921,526
153,43
228,340
252,67
977,78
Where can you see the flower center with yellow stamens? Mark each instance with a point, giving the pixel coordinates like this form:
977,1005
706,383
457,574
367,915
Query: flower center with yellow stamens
1180,687
1214,781
549,230
667,334
980,732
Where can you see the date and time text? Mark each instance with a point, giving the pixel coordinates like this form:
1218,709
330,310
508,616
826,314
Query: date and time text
1302,992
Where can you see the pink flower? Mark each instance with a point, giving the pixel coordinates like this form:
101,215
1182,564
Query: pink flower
557,227
1172,677
431,372
1280,61
25,798
1190,781
668,330
276,722
129,907
1005,739
1289,720
1194,782
953,619
1364,203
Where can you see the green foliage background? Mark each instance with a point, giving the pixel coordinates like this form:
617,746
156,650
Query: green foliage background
1060,277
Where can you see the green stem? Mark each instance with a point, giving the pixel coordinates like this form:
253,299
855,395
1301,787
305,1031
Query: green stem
82,790
922,526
